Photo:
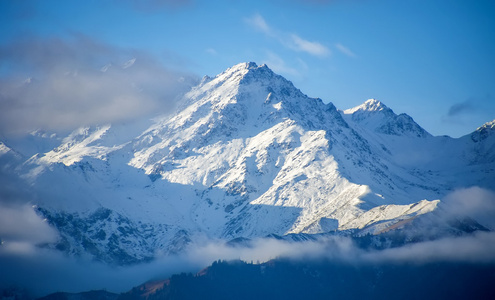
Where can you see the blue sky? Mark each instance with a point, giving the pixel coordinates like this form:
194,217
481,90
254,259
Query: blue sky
433,60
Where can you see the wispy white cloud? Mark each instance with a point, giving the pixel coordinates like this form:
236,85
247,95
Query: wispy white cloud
344,50
259,23
289,40
211,51
314,48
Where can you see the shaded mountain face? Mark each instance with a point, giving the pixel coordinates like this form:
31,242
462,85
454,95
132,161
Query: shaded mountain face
246,155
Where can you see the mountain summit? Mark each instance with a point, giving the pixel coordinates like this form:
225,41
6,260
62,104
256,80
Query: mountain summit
376,116
246,155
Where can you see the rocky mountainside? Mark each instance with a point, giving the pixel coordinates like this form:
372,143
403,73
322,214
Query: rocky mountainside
245,155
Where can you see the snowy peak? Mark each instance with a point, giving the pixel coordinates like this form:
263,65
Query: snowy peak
483,132
240,73
369,112
370,105
235,105
246,67
245,95
242,66
375,116
249,74
483,143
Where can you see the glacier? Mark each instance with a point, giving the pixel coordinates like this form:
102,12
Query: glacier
245,155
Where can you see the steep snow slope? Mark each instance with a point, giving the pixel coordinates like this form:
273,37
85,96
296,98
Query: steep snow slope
246,155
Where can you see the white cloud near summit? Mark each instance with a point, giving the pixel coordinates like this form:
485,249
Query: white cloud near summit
60,84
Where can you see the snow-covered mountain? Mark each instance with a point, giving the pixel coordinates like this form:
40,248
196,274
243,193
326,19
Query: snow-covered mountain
246,155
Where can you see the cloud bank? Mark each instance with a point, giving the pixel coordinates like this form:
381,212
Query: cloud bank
61,84
46,271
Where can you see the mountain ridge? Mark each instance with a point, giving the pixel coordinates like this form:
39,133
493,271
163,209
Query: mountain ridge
246,155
